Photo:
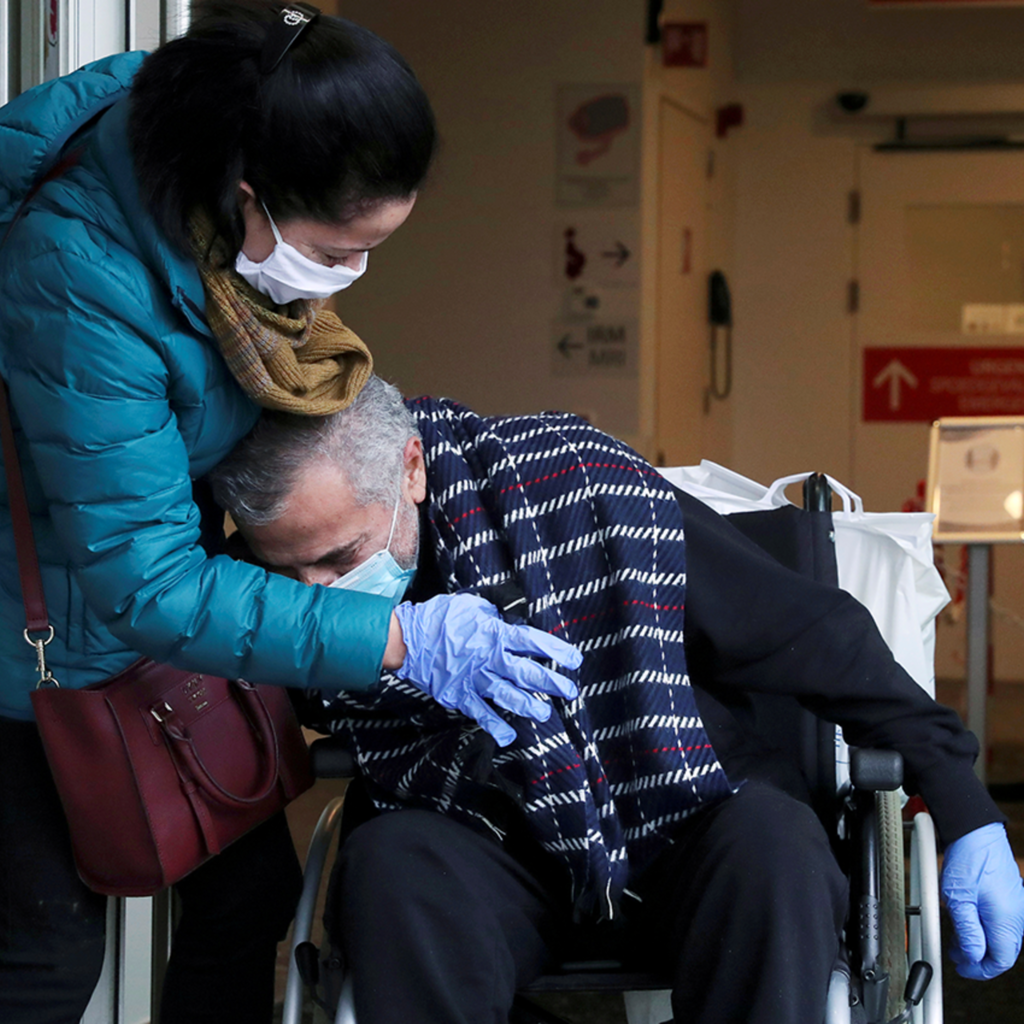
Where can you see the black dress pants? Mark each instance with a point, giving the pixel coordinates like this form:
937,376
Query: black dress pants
235,909
438,923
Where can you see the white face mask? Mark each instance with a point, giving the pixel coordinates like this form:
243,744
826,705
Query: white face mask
286,274
380,573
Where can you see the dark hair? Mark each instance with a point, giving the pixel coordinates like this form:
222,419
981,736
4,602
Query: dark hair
339,126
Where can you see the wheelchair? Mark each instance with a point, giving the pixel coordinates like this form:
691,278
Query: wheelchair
889,967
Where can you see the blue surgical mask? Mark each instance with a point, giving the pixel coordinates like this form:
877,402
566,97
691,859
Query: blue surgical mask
380,573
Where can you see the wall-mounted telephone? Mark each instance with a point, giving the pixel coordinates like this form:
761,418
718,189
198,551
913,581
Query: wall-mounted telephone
719,300
719,316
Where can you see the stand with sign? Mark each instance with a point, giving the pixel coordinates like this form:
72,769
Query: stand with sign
976,492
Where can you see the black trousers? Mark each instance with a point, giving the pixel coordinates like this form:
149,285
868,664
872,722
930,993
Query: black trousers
438,923
235,910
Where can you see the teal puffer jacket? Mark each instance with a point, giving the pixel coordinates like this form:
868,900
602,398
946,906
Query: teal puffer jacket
121,399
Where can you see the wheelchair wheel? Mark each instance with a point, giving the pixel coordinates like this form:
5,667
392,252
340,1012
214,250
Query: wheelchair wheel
893,940
925,931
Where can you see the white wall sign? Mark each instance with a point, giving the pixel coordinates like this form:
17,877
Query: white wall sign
594,347
992,318
598,134
599,249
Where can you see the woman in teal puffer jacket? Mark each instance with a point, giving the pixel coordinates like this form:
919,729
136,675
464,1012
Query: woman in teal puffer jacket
164,285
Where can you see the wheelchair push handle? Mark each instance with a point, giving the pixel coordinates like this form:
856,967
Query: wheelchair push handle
817,493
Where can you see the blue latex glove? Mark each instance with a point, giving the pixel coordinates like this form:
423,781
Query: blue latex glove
984,894
459,650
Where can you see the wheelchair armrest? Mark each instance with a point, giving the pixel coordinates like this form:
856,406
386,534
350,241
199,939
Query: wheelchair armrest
874,770
331,759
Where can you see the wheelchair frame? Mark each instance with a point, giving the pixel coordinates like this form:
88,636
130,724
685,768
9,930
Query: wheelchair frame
871,816
646,1000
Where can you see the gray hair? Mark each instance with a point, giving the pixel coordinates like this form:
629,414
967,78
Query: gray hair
366,441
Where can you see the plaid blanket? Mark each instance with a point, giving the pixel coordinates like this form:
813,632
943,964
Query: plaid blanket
593,537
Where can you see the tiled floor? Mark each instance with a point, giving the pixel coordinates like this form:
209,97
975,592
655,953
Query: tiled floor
1000,1001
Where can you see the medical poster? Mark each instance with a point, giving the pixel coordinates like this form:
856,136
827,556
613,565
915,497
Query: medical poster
598,145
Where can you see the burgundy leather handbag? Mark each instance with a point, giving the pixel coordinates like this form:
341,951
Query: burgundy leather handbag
157,768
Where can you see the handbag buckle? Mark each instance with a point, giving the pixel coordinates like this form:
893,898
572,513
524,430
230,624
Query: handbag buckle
45,675
162,711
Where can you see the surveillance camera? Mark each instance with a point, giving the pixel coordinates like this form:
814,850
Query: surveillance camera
852,102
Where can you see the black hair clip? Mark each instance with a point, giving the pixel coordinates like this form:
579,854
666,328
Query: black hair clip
285,32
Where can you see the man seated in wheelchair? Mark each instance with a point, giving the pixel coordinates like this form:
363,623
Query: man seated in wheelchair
645,803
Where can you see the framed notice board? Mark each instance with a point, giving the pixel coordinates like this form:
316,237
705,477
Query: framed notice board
976,479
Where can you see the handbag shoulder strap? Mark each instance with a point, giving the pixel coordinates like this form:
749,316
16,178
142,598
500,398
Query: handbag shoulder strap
36,618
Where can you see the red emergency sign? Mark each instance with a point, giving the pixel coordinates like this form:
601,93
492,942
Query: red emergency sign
921,384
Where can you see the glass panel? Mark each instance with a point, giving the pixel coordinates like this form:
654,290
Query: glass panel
965,268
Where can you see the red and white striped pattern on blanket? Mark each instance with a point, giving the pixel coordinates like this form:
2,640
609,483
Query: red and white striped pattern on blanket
593,536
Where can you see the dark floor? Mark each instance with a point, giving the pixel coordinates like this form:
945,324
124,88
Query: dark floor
999,1001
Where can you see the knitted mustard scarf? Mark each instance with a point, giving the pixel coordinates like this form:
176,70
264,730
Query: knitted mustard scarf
298,358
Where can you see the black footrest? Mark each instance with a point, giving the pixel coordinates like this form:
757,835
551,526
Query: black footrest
331,760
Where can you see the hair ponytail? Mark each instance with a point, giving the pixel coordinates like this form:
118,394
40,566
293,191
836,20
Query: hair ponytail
340,125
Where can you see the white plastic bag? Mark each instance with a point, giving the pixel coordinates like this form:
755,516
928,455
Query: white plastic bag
721,488
884,558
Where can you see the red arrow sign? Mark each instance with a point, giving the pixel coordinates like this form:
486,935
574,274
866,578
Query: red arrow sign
922,384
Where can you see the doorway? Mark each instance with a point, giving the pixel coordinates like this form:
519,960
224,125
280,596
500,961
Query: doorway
940,241
681,359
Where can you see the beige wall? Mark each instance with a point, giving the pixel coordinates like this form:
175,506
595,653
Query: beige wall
797,392
793,261
825,40
701,91
461,301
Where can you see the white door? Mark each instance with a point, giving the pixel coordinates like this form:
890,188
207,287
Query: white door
938,232
681,357
57,36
